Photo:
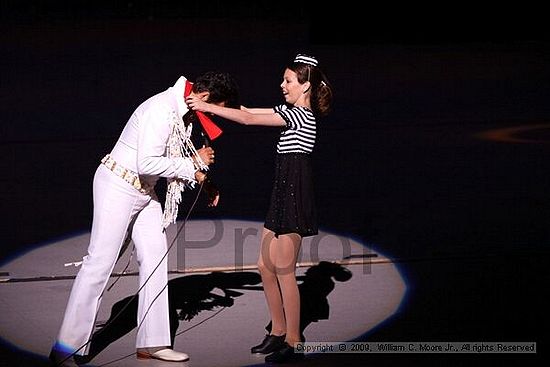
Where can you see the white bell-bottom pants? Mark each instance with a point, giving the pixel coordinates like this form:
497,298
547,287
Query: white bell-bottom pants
120,209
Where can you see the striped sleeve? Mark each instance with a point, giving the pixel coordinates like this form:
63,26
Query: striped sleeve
300,133
280,108
295,118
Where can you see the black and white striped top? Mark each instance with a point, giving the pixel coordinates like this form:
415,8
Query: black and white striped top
299,134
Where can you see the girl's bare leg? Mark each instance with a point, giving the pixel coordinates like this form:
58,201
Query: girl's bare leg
286,251
268,272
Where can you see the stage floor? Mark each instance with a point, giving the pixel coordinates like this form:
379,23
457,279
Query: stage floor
220,294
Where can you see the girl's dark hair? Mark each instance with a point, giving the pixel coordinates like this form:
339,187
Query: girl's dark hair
321,90
221,86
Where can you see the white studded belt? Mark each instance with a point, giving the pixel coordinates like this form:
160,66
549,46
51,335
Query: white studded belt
127,175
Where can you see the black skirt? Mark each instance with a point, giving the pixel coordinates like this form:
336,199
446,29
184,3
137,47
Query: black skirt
292,207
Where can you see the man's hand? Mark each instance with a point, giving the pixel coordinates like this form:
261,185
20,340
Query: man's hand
212,193
207,155
200,176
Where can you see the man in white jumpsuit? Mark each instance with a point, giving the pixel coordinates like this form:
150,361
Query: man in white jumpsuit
154,143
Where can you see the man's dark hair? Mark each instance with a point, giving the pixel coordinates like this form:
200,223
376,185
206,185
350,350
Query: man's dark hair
221,86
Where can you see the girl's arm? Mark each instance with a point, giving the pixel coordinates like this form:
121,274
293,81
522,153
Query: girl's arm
257,111
261,116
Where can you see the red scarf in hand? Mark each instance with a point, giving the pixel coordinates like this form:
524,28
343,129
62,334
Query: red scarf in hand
209,127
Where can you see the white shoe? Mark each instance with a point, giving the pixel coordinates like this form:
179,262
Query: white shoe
168,355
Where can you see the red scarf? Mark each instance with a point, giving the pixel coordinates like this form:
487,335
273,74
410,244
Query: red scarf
209,127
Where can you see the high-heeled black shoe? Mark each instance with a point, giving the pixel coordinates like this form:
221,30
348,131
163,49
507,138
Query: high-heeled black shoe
283,355
270,344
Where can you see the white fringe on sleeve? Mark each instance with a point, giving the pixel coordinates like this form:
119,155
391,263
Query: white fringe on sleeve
179,145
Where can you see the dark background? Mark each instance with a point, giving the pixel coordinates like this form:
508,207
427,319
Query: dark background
398,164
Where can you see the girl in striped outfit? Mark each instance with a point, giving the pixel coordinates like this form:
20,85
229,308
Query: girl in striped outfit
291,215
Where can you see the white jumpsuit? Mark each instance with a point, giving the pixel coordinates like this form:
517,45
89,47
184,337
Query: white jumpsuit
120,208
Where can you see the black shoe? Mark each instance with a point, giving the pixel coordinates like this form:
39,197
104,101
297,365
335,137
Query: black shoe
58,359
283,355
270,344
82,359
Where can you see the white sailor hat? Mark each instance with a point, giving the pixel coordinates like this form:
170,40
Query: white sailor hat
306,59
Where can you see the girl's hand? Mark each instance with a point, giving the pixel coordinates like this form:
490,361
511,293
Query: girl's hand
196,104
